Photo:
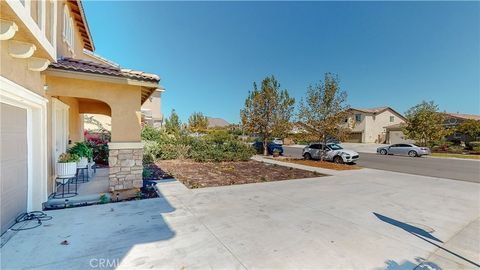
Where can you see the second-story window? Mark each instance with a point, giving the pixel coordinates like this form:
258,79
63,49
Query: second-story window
392,118
358,117
68,34
52,21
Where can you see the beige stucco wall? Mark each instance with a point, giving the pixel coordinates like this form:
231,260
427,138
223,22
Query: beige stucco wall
124,101
373,126
378,124
17,71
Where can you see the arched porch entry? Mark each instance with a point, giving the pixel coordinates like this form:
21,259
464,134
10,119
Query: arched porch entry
119,97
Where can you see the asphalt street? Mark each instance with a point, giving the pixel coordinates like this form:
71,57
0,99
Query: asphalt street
458,169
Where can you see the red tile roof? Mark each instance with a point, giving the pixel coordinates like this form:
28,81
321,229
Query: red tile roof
465,116
103,69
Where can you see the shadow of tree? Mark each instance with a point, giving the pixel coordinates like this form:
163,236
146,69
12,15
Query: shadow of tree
422,234
419,264
407,227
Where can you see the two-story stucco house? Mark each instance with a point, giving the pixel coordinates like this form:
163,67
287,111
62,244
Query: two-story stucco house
370,125
49,78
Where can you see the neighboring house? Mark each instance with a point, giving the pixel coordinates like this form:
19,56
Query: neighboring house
48,80
217,122
151,109
370,125
395,135
453,120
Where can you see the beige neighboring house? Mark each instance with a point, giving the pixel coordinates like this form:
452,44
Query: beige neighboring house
50,78
370,125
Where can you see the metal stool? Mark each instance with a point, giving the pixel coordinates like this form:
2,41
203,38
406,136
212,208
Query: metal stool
65,181
83,171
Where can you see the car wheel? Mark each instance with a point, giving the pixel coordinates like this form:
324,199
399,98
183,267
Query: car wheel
412,154
338,160
307,156
383,152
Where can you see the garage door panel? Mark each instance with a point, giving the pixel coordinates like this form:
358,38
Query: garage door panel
355,137
13,164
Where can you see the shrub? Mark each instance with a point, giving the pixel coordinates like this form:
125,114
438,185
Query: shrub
151,151
476,149
81,149
150,133
204,151
98,142
455,149
474,144
216,146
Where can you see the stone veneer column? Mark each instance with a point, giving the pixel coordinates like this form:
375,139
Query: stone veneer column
126,167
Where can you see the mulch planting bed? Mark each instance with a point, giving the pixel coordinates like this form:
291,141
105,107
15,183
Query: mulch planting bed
213,174
321,164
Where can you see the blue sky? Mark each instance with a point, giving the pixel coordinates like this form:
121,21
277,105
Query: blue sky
209,53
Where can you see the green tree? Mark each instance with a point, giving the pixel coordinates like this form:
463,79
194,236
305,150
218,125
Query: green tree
425,124
197,122
267,111
470,127
173,124
324,110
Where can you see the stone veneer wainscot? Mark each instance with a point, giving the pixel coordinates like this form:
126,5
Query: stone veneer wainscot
126,167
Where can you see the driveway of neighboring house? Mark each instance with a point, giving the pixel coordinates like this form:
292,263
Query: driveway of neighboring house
362,219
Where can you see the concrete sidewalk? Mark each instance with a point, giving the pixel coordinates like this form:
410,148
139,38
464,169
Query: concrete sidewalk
364,220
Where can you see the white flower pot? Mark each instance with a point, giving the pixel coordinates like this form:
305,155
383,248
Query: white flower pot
66,169
82,163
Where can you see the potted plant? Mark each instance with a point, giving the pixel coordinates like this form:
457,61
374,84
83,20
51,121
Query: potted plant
67,165
84,152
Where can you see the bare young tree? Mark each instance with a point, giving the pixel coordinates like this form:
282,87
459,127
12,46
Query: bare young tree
324,111
267,111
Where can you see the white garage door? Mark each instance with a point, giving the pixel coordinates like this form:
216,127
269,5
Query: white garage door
13,164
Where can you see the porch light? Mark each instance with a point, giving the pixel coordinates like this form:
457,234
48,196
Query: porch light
45,87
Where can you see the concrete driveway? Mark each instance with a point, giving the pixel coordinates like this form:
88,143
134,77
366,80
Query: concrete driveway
363,219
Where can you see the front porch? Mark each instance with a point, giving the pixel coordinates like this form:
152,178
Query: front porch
78,87
89,192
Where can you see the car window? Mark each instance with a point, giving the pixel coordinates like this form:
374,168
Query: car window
335,146
394,145
314,146
405,145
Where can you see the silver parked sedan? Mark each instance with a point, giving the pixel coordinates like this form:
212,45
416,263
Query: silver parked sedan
406,149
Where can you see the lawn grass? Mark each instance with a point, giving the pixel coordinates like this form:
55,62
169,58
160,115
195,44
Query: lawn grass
455,155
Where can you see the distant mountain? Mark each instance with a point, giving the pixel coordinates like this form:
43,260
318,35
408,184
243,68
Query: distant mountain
217,122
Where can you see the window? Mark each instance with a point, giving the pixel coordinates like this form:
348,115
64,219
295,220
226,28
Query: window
358,117
39,14
392,118
68,34
53,31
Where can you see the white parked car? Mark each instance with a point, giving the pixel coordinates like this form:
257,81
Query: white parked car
334,153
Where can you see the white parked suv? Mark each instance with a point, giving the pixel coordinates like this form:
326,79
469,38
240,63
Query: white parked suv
334,153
